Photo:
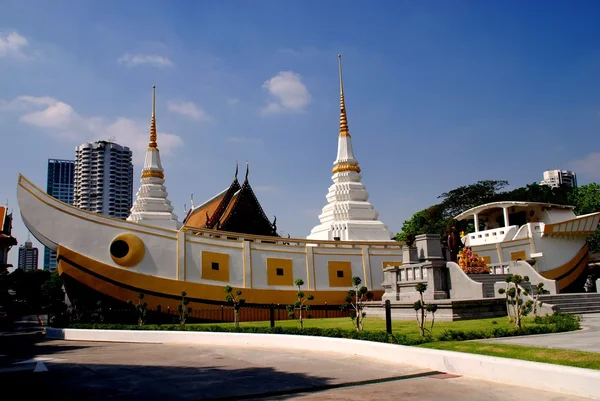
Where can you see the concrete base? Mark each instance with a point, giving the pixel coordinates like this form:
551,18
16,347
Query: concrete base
448,310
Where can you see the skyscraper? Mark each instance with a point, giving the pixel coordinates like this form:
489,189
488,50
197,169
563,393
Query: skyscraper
28,256
60,185
555,178
104,178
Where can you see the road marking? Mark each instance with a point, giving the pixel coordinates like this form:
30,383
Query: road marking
40,367
39,359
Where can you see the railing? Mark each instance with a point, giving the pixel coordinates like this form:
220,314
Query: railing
217,314
411,274
223,235
499,268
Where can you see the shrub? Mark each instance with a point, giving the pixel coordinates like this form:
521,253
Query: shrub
300,304
356,301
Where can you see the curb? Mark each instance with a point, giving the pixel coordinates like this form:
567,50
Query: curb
543,376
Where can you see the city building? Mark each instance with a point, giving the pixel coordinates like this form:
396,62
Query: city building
60,184
152,205
28,256
555,178
7,241
104,179
348,214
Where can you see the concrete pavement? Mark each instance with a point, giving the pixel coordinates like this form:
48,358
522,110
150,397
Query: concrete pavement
587,339
133,371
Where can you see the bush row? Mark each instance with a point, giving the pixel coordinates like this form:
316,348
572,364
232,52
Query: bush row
543,325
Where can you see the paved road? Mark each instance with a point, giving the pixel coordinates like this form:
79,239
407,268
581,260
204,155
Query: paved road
121,371
587,339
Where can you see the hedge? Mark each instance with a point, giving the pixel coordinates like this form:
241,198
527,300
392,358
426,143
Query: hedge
543,325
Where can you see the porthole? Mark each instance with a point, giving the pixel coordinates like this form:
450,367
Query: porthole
127,250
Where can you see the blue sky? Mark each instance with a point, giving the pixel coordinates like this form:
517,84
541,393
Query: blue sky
439,94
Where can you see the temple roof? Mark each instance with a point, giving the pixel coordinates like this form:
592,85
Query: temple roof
235,209
6,239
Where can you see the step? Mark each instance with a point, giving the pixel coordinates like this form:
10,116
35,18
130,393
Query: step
578,311
571,303
563,298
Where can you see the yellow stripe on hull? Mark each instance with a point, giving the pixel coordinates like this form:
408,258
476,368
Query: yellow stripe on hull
124,285
570,271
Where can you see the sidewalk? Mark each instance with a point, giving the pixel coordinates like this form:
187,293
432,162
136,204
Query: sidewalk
587,339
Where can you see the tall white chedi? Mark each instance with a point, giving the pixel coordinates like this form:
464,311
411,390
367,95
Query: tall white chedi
348,215
151,205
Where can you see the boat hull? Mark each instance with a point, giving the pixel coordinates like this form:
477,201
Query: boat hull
121,258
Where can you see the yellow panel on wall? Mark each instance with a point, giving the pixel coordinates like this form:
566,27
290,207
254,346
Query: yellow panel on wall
487,259
340,273
386,264
518,255
280,271
215,266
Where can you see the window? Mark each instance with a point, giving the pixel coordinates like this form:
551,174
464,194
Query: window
340,274
279,271
215,265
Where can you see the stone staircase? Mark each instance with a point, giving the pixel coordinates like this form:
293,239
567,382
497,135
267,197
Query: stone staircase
488,281
586,302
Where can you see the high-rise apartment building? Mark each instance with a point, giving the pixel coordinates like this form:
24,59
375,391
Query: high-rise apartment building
60,184
555,178
28,256
104,178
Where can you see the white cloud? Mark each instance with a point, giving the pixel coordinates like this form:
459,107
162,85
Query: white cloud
589,166
60,120
12,45
132,60
289,93
189,109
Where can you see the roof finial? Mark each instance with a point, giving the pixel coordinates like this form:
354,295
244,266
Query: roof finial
236,169
153,121
343,121
247,170
192,200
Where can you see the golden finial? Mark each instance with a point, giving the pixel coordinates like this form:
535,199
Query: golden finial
343,121
153,121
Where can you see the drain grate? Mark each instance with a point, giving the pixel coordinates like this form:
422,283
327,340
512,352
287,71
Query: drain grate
315,389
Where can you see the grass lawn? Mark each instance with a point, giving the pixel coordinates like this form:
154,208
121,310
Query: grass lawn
579,359
407,327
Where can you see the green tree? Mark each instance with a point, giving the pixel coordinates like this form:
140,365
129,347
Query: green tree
356,301
141,309
53,300
237,303
300,304
586,199
421,308
463,198
183,308
515,295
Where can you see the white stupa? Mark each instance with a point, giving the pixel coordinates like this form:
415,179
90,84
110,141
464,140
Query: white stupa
151,205
348,215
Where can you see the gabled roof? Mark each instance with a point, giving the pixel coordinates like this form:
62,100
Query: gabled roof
196,217
246,215
235,209
6,239
495,205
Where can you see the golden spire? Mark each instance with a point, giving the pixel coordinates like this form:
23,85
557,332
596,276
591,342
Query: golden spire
343,121
153,144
